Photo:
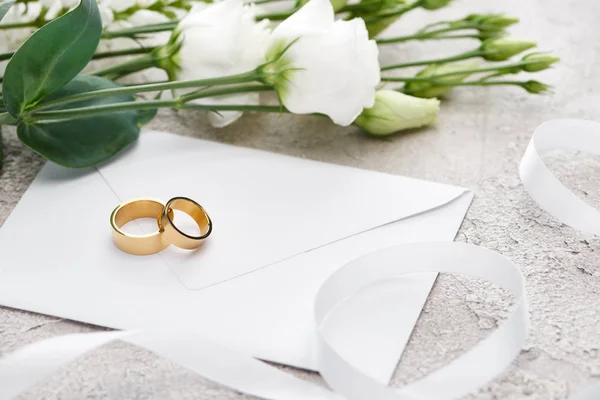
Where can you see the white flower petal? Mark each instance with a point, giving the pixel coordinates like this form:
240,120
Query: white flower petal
107,15
336,67
224,118
315,17
221,39
119,5
147,17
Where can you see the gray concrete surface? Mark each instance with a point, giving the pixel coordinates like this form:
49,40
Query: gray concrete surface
478,144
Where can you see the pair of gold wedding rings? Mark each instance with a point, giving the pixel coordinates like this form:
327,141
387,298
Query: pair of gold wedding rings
167,233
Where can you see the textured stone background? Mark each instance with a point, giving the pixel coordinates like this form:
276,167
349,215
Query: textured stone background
478,144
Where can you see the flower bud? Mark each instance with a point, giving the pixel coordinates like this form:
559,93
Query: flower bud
536,87
431,89
491,22
374,13
394,111
434,4
503,48
538,62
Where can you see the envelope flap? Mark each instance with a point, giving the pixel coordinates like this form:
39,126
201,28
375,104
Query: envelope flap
265,207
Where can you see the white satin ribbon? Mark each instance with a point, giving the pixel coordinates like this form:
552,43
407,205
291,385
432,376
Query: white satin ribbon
24,367
542,185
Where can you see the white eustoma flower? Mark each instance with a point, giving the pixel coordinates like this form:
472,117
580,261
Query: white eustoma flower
322,65
217,40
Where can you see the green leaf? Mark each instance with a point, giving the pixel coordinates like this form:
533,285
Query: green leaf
82,142
4,7
145,116
52,57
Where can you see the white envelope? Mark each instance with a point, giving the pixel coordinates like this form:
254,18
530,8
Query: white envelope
282,225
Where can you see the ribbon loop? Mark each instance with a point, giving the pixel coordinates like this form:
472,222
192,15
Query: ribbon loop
462,376
550,194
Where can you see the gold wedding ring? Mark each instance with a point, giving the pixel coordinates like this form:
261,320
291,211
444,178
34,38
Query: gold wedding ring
173,234
138,244
167,232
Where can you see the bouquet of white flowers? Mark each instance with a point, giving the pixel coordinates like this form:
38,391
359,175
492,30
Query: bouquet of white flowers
319,57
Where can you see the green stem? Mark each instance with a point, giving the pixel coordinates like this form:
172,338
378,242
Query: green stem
363,5
480,83
86,112
224,91
235,107
124,52
125,68
459,57
17,25
450,29
469,83
91,111
394,13
436,34
6,56
140,30
152,87
400,39
427,27
98,56
455,25
458,72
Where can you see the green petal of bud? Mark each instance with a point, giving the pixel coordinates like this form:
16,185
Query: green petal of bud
538,62
430,89
503,48
487,22
434,4
337,4
375,28
497,22
536,87
372,12
394,111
